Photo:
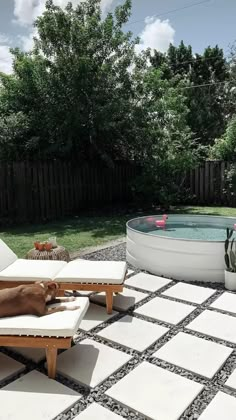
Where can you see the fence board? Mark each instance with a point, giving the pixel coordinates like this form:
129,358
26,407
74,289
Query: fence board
201,180
211,181
206,194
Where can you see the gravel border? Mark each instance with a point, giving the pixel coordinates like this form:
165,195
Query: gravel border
211,387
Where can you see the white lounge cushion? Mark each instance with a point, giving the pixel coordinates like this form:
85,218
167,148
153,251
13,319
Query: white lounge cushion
101,272
32,270
60,324
7,256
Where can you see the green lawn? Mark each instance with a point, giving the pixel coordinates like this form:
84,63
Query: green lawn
80,232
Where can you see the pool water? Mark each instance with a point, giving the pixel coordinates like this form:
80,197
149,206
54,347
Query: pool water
188,230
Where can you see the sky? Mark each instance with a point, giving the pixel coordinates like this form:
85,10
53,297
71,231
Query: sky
157,22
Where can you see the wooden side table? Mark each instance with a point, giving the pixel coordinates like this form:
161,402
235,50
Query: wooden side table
58,253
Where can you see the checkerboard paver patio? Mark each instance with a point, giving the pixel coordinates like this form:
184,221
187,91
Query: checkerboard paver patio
136,364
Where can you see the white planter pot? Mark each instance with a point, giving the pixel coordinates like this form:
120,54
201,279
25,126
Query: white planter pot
230,280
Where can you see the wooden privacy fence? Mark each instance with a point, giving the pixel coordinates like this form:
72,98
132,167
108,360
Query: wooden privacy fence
207,184
36,191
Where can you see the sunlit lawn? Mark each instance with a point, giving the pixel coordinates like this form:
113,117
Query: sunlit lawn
80,232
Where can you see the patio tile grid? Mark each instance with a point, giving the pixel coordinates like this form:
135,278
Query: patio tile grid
97,394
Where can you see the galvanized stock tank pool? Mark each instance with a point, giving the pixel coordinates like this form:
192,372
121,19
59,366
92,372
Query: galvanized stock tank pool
189,248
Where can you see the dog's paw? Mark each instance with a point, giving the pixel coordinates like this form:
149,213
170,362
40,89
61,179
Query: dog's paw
73,308
71,299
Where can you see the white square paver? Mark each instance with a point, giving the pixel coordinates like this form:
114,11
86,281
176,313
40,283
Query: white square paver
165,310
194,354
96,411
31,353
123,301
216,325
189,292
9,367
154,392
133,332
95,316
223,406
147,282
226,302
34,396
90,363
231,382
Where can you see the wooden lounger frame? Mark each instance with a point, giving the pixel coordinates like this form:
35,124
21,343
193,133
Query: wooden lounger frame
51,345
109,289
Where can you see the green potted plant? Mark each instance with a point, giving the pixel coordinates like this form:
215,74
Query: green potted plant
230,261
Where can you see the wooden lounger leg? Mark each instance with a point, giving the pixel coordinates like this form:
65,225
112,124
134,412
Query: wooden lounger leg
51,355
109,301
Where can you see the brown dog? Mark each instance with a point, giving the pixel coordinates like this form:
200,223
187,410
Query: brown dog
32,299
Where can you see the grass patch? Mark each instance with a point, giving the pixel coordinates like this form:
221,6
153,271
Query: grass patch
80,232
211,211
74,233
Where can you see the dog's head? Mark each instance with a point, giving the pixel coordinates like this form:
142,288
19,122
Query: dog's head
51,289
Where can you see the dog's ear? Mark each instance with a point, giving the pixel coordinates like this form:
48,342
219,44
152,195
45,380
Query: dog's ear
52,285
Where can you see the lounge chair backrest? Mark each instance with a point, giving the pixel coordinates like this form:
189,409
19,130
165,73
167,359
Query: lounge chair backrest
7,256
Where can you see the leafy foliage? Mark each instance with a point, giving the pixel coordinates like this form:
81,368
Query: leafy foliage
171,150
207,104
225,147
75,85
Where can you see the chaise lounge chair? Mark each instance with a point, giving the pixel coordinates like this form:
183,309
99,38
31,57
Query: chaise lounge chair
97,276
51,332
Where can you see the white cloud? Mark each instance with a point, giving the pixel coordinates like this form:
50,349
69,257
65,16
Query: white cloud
106,5
4,39
26,11
27,42
5,59
157,34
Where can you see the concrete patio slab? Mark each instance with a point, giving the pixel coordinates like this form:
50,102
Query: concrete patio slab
223,406
133,333
189,292
154,392
122,301
147,282
90,363
95,316
9,367
34,396
226,302
194,354
30,353
231,382
165,310
216,325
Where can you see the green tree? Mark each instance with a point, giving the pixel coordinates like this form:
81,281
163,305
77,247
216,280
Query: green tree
208,104
170,149
13,129
75,86
224,148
